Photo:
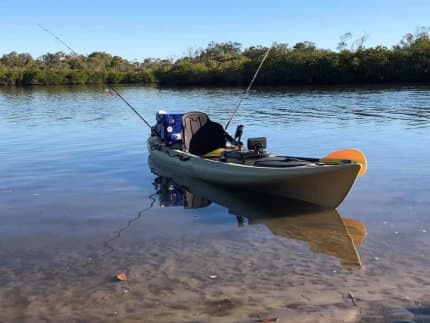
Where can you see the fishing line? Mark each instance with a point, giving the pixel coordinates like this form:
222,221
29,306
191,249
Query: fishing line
73,52
249,87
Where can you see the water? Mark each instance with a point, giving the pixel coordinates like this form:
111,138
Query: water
79,205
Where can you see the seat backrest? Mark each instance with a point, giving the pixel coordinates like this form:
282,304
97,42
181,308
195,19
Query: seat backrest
201,135
191,123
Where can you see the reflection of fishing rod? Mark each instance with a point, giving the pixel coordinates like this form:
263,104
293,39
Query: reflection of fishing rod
249,87
117,233
73,52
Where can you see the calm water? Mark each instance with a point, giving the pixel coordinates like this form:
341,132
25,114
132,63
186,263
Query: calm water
79,205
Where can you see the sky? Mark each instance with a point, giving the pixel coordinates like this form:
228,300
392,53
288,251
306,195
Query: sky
169,29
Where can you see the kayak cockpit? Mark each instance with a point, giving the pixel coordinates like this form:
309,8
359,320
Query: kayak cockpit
191,132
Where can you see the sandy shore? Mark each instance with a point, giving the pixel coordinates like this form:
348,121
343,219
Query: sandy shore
243,275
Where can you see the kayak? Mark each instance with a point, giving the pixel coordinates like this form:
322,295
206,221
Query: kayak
193,145
304,179
323,229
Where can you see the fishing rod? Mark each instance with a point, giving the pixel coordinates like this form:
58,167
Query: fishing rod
111,88
73,52
130,106
249,87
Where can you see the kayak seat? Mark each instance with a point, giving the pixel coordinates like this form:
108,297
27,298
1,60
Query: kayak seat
200,134
276,161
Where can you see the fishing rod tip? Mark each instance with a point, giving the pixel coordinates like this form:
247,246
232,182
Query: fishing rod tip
109,92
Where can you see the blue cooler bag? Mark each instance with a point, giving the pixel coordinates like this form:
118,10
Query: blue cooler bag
169,126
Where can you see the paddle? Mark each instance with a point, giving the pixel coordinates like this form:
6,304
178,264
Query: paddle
351,154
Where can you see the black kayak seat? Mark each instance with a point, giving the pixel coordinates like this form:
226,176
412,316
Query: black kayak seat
200,134
278,161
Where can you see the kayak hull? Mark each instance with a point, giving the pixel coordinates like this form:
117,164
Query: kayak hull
323,185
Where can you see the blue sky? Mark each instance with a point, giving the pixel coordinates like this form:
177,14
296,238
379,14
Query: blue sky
141,29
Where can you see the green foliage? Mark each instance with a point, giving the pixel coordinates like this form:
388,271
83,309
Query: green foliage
229,64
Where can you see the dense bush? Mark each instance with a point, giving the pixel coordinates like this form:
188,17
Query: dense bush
228,64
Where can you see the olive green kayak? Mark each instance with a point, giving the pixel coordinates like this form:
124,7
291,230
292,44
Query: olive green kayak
304,179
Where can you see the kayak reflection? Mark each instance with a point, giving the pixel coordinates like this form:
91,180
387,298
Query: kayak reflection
324,229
